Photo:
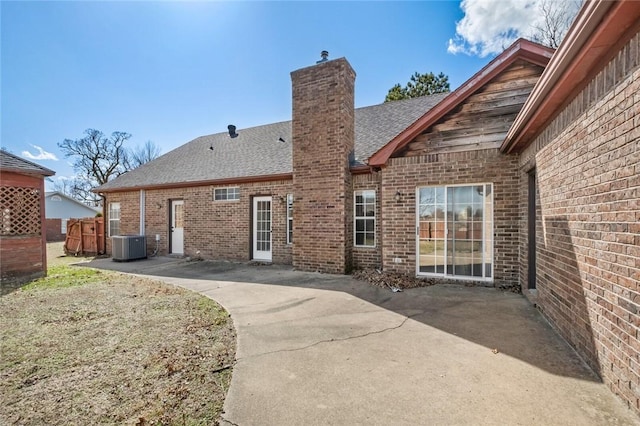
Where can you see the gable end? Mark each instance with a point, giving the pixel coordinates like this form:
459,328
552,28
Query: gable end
521,49
483,119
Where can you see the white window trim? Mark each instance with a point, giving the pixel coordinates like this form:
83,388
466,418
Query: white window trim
112,208
289,201
235,193
484,235
374,218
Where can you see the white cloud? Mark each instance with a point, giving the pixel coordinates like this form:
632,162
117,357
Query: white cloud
41,155
490,26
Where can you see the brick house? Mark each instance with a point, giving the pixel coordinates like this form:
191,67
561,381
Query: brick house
325,192
23,249
525,176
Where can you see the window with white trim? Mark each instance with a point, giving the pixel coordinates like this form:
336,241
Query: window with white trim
456,231
114,219
289,218
364,218
226,194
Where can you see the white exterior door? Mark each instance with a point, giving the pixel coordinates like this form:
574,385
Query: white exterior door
262,228
177,227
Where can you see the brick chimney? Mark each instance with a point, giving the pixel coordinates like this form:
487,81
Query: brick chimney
323,143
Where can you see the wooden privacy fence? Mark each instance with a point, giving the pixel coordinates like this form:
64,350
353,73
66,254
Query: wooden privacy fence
85,236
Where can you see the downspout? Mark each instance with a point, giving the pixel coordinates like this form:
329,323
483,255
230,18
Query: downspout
142,211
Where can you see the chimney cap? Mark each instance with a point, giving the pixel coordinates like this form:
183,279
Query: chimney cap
324,55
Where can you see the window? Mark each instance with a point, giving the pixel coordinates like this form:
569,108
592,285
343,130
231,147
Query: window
456,229
226,194
365,218
289,218
114,219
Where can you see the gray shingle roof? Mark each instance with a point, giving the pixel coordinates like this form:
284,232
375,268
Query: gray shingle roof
257,151
10,162
376,125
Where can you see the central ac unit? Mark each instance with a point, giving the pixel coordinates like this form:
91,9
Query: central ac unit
128,247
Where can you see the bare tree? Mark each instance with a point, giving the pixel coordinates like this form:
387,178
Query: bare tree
557,17
98,159
63,186
145,153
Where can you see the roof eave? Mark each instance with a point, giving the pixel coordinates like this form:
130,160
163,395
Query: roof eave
356,170
597,27
360,169
44,173
73,200
227,181
37,169
520,49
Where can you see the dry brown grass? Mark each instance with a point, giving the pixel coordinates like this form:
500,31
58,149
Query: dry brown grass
90,347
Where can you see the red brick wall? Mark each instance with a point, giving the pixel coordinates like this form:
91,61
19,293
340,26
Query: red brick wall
129,214
215,229
588,251
54,230
23,256
323,140
21,261
365,257
470,167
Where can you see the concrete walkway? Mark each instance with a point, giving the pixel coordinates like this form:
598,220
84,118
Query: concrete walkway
318,349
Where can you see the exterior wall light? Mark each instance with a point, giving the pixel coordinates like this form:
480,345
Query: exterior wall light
398,196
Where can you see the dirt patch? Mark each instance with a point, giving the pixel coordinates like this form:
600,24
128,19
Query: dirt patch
391,280
396,281
106,348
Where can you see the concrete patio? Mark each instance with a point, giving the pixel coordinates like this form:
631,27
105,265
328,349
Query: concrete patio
327,349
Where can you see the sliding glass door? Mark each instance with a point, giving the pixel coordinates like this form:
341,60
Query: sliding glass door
455,229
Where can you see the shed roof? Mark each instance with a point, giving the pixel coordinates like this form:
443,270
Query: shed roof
13,163
259,153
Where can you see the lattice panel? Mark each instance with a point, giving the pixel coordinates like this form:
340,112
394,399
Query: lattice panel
19,210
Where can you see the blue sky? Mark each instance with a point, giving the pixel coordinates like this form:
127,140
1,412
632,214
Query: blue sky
172,71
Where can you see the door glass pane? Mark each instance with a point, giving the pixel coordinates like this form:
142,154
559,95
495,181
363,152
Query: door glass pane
263,225
427,196
455,230
178,216
431,237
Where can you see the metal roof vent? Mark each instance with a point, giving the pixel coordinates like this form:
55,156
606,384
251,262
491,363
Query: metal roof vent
232,131
324,55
